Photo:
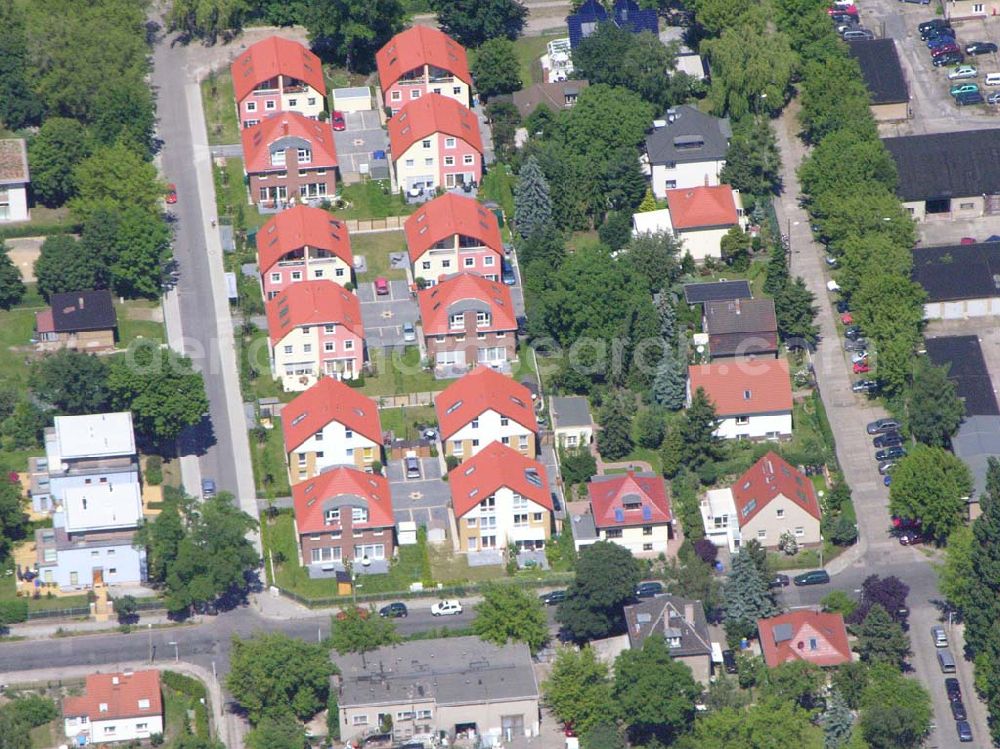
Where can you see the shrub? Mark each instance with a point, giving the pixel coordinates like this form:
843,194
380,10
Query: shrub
184,684
154,470
14,611
451,462
706,550
33,710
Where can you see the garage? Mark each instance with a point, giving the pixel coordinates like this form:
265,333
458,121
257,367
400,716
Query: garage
357,99
961,281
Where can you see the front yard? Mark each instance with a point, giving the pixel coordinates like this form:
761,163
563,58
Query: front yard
399,374
376,247
371,199
404,423
220,109
270,472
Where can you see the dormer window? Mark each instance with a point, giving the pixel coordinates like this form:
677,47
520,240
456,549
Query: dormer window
457,322
305,155
474,423
333,516
278,157
482,319
359,515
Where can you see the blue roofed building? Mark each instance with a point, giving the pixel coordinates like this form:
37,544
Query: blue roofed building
625,14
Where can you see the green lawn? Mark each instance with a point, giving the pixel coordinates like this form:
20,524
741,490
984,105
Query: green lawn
175,718
372,199
529,49
398,375
231,196
375,248
8,591
498,185
220,109
450,569
16,329
270,471
279,539
46,736
255,371
129,330
403,422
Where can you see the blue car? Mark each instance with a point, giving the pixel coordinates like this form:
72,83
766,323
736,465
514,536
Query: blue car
887,480
939,41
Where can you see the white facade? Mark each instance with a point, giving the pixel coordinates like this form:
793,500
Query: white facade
333,445
105,731
642,541
514,518
652,222
572,437
962,309
704,243
13,203
681,175
764,426
718,516
777,517
489,427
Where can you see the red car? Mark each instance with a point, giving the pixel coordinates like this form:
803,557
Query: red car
847,318
362,614
338,121
851,10
381,286
968,240
945,49
860,367
171,193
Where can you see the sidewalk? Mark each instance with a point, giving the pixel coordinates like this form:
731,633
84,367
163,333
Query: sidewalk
44,629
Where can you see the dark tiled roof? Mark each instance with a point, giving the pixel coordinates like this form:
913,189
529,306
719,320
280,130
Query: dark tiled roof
741,326
967,369
881,70
553,95
955,272
699,293
684,617
692,136
946,165
76,311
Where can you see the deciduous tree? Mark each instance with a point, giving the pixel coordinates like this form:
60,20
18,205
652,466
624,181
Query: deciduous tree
605,119
888,592
13,521
957,577
768,724
932,485
495,68
359,631
11,286
751,69
796,313
142,246
207,19
933,408
651,426
578,689
61,267
606,576
508,613
71,381
657,258
881,640
277,731
753,163
53,154
614,440
19,106
115,176
896,711
473,22
125,111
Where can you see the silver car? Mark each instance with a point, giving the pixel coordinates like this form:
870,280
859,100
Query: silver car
409,333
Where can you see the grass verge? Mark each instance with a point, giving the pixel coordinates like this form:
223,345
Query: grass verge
219,102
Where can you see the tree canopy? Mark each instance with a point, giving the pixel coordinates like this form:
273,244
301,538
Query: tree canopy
509,613
352,31
606,576
934,410
473,22
61,267
932,485
356,630
495,68
578,689
71,381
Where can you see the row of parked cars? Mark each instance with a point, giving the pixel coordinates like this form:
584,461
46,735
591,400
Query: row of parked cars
944,49
888,443
844,14
954,690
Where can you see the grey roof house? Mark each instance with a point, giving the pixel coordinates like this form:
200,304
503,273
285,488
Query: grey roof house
571,420
682,623
977,440
686,148
741,327
961,281
556,96
461,685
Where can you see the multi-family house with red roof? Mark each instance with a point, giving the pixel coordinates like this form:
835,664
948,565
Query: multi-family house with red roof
453,234
289,159
752,397
468,320
501,497
816,637
342,515
121,706
421,61
277,75
632,510
699,216
435,142
482,407
303,244
330,424
315,330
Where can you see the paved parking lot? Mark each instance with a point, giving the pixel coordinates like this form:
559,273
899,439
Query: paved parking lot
932,233
383,316
355,145
425,500
932,108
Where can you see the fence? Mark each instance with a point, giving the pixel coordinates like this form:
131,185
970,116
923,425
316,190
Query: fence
70,613
372,225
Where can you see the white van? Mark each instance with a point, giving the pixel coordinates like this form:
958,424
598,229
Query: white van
939,636
992,79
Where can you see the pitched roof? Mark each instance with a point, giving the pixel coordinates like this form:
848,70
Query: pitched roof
327,401
418,46
671,617
339,487
288,130
977,440
746,387
76,311
494,467
689,135
570,411
120,694
553,95
963,356
770,477
741,326
702,207
272,57
446,216
466,292
699,293
955,272
787,638
946,165
881,70
431,114
13,161
609,494
320,302
298,227
481,390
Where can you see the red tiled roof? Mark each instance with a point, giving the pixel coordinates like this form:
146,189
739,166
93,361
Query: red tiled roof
312,497
608,494
258,139
768,478
416,47
697,207
43,321
446,216
481,390
744,387
431,114
782,643
319,302
121,699
297,227
272,57
327,401
493,467
436,303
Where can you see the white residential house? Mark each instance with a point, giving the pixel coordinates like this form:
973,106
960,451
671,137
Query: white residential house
115,707
752,397
687,148
718,516
14,180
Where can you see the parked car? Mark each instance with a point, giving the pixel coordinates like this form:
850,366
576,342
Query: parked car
937,34
964,88
886,466
816,577
951,58
967,240
171,193
934,23
993,98
847,319
939,636
953,688
980,48
553,597
969,98
412,464
859,345
779,581
859,356
849,9
648,589
889,439
207,488
962,71
832,262
909,537
845,18
861,367
882,425
395,610
381,286
409,333
729,661
936,42
507,273
338,121
449,607
853,333
869,387
949,48
842,306
958,710
964,731
891,453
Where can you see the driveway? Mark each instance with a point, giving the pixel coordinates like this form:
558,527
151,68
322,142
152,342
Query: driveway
425,500
383,316
945,232
23,253
357,144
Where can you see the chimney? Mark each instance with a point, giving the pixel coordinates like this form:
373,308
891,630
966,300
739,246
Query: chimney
284,127
671,115
689,613
114,680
